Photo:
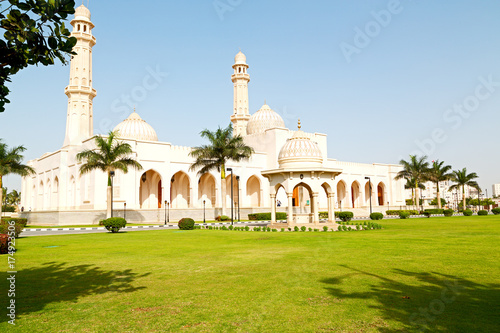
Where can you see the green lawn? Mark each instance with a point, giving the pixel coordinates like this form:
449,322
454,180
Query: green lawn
441,272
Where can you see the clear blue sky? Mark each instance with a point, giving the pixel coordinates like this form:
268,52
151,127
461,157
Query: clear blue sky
397,88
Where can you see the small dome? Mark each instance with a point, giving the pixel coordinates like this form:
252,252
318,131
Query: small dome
300,151
263,120
82,12
240,59
135,128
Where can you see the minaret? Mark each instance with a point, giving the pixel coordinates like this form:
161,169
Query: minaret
79,121
240,79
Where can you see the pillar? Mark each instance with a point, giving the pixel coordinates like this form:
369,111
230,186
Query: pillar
290,208
273,208
331,211
314,201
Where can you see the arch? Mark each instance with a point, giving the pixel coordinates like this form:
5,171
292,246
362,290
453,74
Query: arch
150,190
355,195
253,191
180,190
302,198
47,196
55,190
228,190
41,194
381,193
367,193
341,194
206,190
72,192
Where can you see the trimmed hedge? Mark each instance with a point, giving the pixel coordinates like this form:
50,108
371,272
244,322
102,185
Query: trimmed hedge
16,219
496,211
8,209
396,212
346,216
482,212
186,224
114,224
266,216
448,212
17,228
434,211
467,212
222,218
376,216
404,214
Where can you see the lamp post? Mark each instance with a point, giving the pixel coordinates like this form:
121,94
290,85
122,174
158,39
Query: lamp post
487,201
370,188
166,203
112,175
232,203
124,210
204,201
478,200
238,186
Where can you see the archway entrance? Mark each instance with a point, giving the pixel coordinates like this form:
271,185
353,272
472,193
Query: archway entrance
206,190
150,190
180,188
341,195
380,194
253,191
355,195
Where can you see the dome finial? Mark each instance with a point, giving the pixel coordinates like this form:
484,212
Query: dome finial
265,101
299,126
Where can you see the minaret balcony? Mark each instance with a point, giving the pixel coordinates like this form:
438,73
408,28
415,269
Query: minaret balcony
85,36
80,89
240,76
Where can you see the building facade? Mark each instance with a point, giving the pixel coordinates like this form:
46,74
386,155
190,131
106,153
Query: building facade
59,195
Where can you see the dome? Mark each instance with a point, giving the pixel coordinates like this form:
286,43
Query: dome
300,151
263,120
135,128
82,12
240,59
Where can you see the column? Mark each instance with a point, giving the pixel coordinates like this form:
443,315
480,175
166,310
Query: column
331,211
314,201
290,209
273,208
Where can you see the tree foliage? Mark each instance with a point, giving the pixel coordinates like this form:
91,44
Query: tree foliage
462,178
415,170
33,32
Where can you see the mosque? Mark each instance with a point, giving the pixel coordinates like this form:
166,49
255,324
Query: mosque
289,171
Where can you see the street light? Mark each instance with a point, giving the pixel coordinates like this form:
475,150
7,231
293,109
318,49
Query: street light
166,203
370,187
112,174
124,210
238,186
204,201
232,215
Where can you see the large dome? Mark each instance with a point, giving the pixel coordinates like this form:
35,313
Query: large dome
263,120
300,151
135,128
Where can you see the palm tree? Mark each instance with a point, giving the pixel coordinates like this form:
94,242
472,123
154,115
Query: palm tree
11,163
414,170
109,155
409,185
461,178
438,173
223,147
13,198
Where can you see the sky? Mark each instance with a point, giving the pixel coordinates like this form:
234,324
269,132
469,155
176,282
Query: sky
383,79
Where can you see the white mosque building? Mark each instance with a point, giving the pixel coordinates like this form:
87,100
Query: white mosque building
289,171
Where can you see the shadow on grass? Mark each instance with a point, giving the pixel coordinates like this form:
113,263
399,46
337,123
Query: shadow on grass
432,302
54,282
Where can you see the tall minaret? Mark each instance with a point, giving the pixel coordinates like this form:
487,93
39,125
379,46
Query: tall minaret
79,121
240,79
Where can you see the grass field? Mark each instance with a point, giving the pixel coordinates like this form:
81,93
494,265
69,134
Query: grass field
439,274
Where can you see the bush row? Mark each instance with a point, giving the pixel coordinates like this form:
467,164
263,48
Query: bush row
396,212
17,228
358,227
266,216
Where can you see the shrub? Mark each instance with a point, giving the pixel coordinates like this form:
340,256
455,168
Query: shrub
310,229
323,215
339,228
266,216
8,209
186,224
282,229
346,216
467,212
344,228
274,230
325,228
427,214
316,229
17,227
396,212
224,228
434,211
222,218
256,229
289,229
404,214
4,244
448,212
296,228
230,227
19,220
496,211
247,228
482,212
357,227
349,228
114,224
303,228
376,216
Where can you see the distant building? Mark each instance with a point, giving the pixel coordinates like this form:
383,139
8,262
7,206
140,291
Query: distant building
496,190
